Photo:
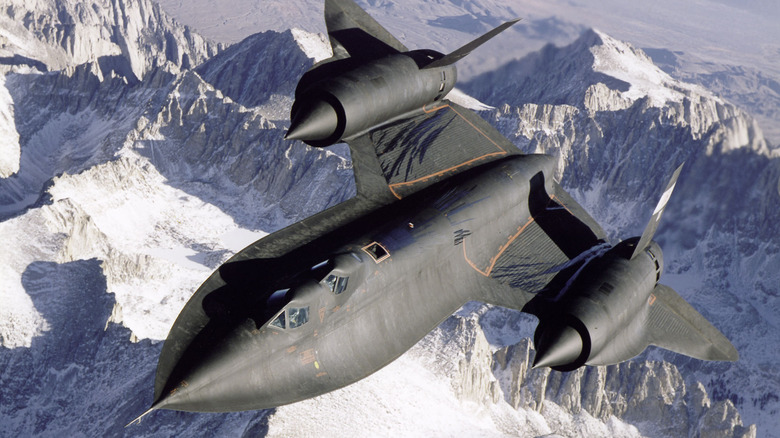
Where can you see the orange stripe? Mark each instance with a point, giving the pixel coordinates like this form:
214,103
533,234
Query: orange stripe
450,169
561,203
501,250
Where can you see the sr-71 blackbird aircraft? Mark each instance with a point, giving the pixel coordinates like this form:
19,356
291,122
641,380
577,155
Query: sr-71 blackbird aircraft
447,211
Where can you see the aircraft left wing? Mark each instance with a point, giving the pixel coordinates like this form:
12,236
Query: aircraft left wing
426,147
444,139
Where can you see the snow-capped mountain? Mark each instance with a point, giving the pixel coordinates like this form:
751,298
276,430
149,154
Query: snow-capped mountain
616,128
130,37
730,46
132,184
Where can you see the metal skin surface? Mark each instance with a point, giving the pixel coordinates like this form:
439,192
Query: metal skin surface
386,308
609,296
447,211
366,95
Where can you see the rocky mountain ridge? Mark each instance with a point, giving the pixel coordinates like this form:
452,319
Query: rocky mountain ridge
719,239
138,188
126,39
131,36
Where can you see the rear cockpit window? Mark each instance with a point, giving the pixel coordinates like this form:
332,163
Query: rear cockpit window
335,283
298,316
279,321
376,251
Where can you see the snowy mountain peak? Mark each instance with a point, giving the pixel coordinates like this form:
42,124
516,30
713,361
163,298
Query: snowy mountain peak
314,45
626,63
129,192
130,37
595,73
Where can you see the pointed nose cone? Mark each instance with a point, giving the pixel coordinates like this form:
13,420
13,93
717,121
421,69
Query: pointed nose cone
559,345
217,374
315,122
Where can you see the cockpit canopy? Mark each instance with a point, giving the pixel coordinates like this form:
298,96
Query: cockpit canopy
293,304
291,318
335,283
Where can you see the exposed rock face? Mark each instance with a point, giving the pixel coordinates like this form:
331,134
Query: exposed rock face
130,37
242,73
133,176
625,110
124,38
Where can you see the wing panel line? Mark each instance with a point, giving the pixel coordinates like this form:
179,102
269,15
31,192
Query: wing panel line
501,250
426,110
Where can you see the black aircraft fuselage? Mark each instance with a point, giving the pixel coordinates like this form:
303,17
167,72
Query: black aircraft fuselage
447,211
354,308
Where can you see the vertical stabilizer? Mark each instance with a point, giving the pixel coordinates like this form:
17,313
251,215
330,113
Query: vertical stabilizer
468,48
354,33
647,235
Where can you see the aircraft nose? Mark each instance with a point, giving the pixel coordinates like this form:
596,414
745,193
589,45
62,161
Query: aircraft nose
219,374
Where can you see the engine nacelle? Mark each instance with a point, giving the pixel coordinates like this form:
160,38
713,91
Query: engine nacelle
333,105
599,317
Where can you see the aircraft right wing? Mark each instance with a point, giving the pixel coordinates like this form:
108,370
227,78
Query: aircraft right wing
675,325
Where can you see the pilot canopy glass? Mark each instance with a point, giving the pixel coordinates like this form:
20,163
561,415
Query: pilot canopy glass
335,283
291,318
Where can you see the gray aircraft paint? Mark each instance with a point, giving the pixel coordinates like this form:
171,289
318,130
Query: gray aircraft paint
447,211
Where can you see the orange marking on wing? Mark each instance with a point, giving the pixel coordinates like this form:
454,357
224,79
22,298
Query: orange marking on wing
501,250
561,203
453,168
652,299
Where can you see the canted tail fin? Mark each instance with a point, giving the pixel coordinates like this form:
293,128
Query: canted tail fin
647,235
675,325
468,48
354,33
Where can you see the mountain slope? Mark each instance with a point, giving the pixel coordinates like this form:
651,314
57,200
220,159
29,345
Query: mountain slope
618,129
130,37
130,192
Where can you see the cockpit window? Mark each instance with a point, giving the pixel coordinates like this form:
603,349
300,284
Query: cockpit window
279,321
291,318
335,283
298,316
376,251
